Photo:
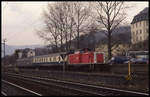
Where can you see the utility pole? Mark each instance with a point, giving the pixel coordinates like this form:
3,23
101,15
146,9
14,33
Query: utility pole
129,70
4,40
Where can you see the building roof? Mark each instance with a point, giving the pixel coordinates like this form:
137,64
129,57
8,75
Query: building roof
143,15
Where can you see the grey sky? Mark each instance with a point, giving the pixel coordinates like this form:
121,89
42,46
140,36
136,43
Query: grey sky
20,19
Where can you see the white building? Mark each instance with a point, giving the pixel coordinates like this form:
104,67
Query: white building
25,53
140,26
30,53
20,54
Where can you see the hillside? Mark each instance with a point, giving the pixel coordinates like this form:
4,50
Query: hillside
121,34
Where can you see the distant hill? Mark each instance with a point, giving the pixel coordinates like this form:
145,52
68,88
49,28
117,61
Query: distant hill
122,33
11,48
122,30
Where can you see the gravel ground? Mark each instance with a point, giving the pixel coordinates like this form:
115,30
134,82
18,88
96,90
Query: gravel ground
138,82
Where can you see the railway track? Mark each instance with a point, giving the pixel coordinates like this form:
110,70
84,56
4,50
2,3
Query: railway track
138,83
11,89
39,87
3,93
73,88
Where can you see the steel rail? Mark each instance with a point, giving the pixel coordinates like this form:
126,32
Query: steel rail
21,88
3,93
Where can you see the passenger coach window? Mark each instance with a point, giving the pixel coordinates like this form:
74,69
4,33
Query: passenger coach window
49,59
39,59
59,58
46,60
54,59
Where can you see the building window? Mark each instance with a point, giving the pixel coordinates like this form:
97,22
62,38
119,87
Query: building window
136,38
137,32
140,23
133,39
140,31
146,23
140,38
132,33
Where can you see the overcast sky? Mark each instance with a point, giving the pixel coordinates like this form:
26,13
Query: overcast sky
20,19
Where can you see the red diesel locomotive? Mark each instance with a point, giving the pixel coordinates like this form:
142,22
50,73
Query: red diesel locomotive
86,58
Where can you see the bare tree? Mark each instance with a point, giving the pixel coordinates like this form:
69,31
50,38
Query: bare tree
81,16
110,15
62,20
50,32
67,22
59,22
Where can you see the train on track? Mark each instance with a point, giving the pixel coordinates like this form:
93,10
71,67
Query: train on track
79,60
